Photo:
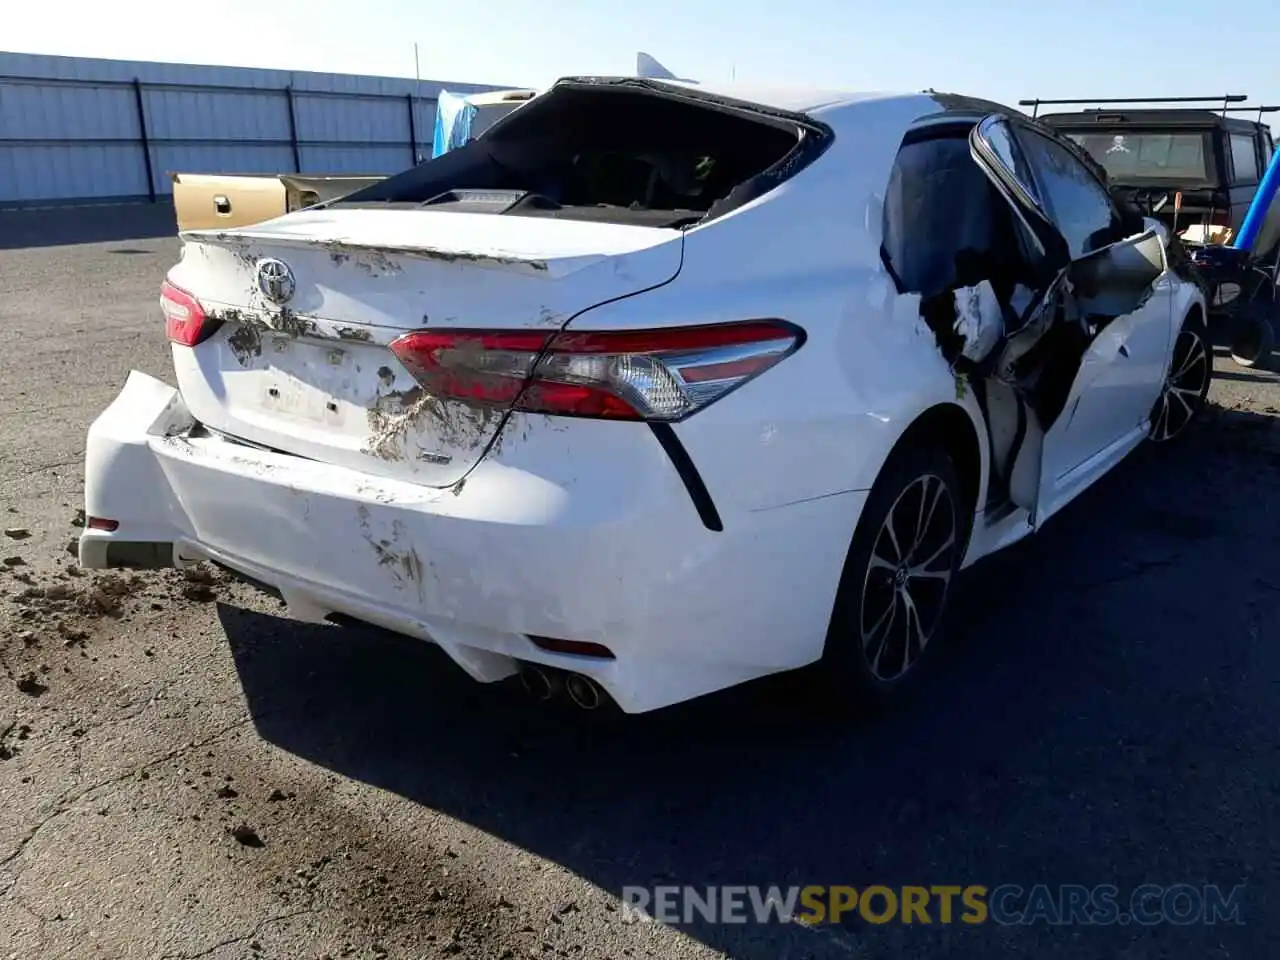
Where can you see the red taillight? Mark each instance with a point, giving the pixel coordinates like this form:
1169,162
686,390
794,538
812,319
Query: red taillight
102,523
664,374
185,321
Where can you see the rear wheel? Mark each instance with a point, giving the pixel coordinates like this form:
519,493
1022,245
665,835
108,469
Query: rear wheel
897,579
1186,385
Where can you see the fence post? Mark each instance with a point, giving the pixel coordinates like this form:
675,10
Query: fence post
413,131
144,139
293,130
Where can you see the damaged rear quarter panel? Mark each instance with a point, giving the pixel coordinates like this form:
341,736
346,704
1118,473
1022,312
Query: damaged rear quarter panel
870,367
808,253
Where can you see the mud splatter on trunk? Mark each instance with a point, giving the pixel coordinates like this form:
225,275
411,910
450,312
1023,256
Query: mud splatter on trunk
354,333
240,249
376,262
291,324
380,260
246,342
402,421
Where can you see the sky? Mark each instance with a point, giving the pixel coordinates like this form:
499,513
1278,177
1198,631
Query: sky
1003,50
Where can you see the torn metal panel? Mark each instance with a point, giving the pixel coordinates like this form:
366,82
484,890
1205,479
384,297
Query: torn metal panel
968,323
979,320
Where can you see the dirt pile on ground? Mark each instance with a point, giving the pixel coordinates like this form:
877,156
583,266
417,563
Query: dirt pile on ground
58,601
48,602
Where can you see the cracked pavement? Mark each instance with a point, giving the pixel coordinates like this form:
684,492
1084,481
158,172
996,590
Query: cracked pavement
186,773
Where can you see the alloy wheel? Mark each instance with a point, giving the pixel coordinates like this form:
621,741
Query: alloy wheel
1184,387
908,575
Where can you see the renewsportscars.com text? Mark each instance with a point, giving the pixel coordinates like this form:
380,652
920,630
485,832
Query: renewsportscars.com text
1007,904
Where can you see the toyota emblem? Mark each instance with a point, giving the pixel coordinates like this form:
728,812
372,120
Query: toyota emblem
275,280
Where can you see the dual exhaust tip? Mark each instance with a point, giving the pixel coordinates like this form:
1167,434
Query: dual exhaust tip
545,683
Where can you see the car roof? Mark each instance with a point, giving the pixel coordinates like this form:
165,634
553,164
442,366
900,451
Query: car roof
810,100
821,103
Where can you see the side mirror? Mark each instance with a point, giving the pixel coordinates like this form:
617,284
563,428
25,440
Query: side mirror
1117,279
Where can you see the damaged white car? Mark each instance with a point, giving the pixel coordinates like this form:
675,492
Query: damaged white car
653,389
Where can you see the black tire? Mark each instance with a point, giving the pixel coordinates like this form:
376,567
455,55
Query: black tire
1255,337
857,673
1186,389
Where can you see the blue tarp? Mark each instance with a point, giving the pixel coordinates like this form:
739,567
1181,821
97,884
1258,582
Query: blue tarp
1256,217
454,116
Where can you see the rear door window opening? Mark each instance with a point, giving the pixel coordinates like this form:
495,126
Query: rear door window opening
945,225
629,152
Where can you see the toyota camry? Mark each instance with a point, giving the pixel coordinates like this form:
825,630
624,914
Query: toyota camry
655,388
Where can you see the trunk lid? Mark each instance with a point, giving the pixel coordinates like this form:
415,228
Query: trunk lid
313,375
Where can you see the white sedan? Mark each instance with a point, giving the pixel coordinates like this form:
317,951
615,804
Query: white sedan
654,389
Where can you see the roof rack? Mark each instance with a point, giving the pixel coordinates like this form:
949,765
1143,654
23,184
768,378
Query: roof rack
1224,99
1260,110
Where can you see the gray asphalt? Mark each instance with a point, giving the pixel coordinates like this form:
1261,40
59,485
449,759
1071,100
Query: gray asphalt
1107,712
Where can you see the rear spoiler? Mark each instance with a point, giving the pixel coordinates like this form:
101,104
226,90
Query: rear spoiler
650,69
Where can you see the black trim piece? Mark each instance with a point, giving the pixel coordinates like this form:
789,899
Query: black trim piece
681,460
1015,448
139,555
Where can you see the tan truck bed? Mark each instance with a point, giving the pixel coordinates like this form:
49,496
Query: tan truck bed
212,200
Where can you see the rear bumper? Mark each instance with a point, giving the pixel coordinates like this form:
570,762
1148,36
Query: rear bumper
510,555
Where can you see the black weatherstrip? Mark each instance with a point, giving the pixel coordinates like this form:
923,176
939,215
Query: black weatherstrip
689,474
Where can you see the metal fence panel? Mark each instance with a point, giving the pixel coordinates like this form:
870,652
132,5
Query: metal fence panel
221,115
242,157
38,173
358,159
35,111
77,129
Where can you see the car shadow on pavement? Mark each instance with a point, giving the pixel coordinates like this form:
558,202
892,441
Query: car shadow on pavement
1090,721
60,226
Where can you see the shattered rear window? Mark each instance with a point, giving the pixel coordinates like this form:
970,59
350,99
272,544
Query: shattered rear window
1155,156
613,152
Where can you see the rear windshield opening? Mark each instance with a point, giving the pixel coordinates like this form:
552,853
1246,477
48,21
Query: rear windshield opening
603,151
1147,156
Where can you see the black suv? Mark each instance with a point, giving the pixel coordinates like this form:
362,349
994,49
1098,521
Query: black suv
1150,154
